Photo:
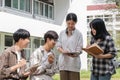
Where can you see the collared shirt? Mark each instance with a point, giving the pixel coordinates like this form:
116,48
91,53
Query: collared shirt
46,70
9,58
73,43
104,66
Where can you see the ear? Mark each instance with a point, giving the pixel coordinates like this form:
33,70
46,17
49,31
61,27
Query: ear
48,39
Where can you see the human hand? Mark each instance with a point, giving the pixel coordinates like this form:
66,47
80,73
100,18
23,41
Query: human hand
65,52
88,46
22,62
51,58
32,70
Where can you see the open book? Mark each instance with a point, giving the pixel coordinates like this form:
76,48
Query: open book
35,66
93,49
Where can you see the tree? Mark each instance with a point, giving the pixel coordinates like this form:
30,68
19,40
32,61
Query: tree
116,8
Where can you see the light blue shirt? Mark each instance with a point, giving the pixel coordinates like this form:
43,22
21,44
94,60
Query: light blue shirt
73,43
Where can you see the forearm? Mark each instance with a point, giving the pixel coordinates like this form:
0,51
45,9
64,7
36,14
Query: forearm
42,68
13,68
60,50
103,56
108,56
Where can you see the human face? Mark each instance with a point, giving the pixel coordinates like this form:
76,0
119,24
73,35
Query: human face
24,42
70,25
93,31
51,43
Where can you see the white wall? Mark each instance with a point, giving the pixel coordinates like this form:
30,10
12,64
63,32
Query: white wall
60,10
10,23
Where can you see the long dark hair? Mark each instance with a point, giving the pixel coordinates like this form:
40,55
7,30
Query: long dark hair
99,26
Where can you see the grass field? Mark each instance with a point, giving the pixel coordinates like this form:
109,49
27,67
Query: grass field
85,75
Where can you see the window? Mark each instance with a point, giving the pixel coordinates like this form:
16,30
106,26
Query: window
27,5
15,4
0,2
108,18
8,3
99,16
36,43
46,10
28,50
27,54
51,12
36,7
43,8
8,41
89,19
42,42
118,17
47,1
24,5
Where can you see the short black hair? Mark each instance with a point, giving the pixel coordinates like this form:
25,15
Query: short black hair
51,35
101,31
20,34
71,16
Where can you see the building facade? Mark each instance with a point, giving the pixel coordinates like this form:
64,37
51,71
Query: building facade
38,16
107,12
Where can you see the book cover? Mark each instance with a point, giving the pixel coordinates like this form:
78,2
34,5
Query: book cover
94,49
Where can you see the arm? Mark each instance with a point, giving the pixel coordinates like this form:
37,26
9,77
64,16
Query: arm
53,69
36,57
59,45
21,63
5,69
108,55
110,48
79,44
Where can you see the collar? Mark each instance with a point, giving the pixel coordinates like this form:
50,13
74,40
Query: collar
43,50
72,31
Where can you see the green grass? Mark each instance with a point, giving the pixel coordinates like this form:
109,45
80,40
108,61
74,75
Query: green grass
85,75
117,75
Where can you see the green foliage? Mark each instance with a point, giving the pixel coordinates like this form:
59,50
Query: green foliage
117,75
117,2
85,74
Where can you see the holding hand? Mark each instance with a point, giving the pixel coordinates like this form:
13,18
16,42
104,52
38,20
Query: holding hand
32,70
22,62
51,58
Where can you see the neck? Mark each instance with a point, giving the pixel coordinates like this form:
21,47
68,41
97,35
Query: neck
17,47
46,47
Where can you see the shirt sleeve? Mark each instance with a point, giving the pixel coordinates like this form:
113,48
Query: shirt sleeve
5,71
111,46
79,44
36,57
